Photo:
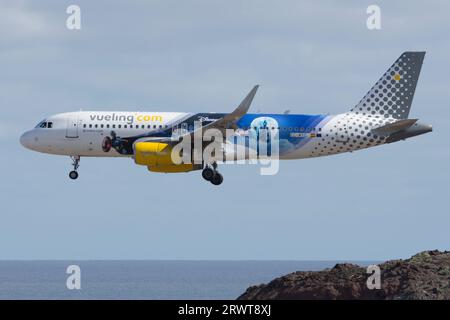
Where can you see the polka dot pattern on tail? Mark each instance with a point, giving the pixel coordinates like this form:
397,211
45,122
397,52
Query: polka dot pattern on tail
392,95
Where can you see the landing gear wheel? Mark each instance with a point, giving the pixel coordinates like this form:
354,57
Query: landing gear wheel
217,179
73,175
208,173
76,164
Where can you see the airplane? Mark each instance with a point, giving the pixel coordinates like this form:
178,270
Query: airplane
380,117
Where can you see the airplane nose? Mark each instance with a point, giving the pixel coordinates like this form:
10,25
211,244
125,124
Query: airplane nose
26,140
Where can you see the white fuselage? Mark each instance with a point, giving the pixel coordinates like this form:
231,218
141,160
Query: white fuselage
83,133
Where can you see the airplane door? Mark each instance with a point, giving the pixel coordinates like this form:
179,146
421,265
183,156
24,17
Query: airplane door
72,126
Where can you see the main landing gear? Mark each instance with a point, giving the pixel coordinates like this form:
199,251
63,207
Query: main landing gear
76,163
211,174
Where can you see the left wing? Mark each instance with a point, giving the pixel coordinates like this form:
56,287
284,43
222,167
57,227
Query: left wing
229,121
226,122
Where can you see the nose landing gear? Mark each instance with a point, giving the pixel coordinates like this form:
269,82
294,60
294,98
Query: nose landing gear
211,174
76,163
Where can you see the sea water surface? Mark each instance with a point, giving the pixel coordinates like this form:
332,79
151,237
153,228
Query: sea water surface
144,279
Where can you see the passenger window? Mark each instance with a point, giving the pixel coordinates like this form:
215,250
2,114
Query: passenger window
101,126
154,126
84,125
90,126
107,126
125,126
96,125
119,126
114,126
160,126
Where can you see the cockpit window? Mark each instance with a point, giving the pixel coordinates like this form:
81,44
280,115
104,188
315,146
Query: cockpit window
39,125
44,124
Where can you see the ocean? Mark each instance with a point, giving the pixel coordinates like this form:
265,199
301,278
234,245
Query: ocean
144,279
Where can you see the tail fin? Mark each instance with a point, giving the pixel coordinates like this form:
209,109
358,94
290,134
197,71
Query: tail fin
392,95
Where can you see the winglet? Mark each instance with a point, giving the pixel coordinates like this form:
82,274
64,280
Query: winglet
243,107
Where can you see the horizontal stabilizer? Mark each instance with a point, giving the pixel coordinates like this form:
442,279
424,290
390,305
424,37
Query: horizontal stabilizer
394,127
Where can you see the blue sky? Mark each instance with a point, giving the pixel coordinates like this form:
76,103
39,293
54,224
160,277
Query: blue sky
199,56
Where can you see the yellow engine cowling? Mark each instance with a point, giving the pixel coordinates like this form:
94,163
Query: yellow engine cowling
157,156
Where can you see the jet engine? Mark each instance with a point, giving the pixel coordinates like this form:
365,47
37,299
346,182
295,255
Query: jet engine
157,156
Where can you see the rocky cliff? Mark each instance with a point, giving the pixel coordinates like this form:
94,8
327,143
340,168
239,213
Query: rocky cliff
426,275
